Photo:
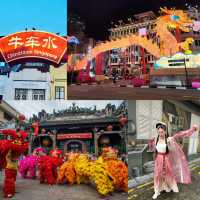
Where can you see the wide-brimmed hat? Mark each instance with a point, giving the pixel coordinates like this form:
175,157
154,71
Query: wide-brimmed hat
161,125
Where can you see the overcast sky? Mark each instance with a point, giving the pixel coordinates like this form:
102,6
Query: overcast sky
28,108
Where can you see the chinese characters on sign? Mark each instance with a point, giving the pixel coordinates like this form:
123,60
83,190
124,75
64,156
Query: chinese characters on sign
74,136
41,45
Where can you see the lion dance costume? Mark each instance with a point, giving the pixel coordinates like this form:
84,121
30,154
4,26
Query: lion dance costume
48,167
10,151
28,166
108,173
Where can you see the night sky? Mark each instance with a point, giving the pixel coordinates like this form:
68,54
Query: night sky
98,14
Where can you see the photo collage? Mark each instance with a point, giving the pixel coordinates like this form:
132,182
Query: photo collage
100,100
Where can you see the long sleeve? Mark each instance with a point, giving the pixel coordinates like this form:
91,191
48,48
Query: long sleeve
182,134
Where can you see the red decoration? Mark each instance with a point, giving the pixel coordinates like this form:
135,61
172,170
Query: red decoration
104,140
46,142
123,121
74,136
35,125
109,128
22,117
34,44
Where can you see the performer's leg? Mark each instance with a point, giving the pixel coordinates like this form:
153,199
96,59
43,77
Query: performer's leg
32,172
42,175
156,190
9,182
173,185
50,176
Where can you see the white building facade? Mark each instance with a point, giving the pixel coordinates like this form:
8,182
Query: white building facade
28,84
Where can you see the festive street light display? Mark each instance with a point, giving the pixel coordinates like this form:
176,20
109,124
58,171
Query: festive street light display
169,44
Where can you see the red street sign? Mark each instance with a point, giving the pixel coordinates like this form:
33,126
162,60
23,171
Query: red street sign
33,44
74,136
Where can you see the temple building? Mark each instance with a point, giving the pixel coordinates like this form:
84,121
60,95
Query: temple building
82,129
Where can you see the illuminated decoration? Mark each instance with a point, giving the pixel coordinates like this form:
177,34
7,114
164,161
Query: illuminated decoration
172,19
196,26
120,43
169,44
186,45
73,40
142,32
33,44
177,61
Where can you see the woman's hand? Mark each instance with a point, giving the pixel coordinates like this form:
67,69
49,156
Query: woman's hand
195,127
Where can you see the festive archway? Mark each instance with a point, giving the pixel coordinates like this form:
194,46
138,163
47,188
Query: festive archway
36,45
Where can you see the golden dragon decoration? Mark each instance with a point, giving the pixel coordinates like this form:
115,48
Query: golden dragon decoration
170,20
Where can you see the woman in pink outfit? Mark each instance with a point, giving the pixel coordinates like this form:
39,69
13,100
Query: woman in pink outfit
171,166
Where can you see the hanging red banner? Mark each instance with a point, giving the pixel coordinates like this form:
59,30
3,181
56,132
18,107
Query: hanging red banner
33,44
74,136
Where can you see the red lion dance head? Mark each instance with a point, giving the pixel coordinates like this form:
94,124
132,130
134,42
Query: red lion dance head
17,145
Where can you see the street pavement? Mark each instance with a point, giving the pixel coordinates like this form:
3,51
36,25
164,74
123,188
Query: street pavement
33,190
187,192
112,91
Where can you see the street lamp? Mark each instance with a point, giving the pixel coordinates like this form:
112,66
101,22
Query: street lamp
186,73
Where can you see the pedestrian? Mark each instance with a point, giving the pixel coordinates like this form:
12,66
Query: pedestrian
114,75
171,166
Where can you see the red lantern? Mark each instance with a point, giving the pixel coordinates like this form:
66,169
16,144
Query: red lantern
104,140
109,128
123,121
21,117
35,126
46,142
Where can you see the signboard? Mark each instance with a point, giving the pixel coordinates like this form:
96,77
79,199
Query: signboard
74,136
33,44
178,60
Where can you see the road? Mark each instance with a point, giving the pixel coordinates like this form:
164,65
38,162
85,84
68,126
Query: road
187,192
33,190
115,92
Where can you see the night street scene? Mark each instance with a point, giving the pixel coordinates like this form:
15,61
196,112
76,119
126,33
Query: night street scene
154,171
64,150
133,49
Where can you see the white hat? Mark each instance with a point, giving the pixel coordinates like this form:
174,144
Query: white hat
162,124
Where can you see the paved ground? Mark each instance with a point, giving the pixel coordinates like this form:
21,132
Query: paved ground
114,92
32,190
187,192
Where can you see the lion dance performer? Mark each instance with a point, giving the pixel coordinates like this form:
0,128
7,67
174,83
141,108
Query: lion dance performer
109,173
67,170
48,167
10,151
28,166
116,168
